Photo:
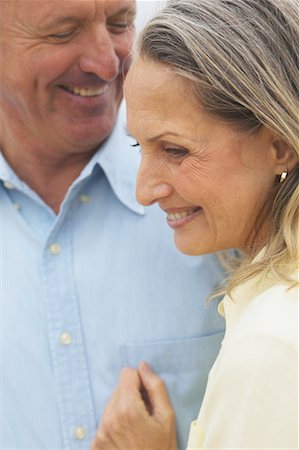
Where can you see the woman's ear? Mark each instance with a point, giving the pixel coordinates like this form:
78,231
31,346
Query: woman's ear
284,157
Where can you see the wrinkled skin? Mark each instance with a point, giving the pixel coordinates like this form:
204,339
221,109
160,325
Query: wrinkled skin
211,178
48,48
190,162
134,420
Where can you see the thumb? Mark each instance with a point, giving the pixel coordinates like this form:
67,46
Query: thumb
129,383
156,392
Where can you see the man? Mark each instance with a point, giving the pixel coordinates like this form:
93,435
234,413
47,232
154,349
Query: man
90,282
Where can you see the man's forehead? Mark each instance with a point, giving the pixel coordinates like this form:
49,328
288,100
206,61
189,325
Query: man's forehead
56,8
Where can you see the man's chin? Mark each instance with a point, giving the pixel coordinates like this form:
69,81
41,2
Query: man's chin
89,132
89,140
88,124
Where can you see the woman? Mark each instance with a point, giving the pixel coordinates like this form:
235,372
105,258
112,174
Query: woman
213,101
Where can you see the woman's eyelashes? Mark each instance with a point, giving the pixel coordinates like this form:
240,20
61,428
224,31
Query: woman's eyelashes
129,134
136,144
175,152
172,151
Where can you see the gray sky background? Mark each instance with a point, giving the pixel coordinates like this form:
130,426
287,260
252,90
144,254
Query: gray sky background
145,10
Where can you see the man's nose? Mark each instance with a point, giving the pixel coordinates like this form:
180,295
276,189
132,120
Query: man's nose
99,56
151,185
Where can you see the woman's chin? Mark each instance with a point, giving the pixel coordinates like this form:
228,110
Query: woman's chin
193,248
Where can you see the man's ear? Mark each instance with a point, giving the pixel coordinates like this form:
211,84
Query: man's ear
284,157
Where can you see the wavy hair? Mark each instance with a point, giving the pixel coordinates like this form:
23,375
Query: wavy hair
242,57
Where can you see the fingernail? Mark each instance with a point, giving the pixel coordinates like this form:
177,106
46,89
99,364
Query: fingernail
145,367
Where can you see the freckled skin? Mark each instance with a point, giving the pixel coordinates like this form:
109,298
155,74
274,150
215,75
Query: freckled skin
228,174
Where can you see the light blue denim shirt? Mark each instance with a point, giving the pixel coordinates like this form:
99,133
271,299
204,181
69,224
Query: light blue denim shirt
86,292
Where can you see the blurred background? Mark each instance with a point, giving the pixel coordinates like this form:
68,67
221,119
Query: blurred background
145,10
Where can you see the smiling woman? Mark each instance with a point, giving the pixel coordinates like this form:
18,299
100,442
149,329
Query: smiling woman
213,100
181,145
251,118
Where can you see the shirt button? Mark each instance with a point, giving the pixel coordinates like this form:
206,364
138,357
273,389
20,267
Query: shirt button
17,206
80,432
8,185
84,198
55,248
65,339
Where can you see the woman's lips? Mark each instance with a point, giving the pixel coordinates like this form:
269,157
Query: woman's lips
178,218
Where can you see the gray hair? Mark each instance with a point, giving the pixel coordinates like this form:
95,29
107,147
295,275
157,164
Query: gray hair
242,57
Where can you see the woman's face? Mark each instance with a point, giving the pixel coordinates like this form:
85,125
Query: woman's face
211,180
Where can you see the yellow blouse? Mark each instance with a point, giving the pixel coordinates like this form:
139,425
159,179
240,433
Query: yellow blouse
251,400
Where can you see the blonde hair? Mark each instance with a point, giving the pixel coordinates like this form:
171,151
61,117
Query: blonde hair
242,57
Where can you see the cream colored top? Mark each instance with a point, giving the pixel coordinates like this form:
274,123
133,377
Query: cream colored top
251,400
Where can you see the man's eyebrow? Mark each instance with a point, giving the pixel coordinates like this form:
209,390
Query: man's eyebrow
62,20
127,10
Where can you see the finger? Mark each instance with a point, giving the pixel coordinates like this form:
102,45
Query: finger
131,396
128,387
129,380
126,405
102,442
116,410
156,391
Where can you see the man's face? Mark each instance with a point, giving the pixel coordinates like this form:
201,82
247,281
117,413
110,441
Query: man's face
62,69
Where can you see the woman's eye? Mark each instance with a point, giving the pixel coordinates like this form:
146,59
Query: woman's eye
176,152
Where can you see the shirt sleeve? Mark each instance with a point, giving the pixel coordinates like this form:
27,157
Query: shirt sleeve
251,400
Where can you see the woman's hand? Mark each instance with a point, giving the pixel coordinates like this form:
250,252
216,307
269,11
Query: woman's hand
139,415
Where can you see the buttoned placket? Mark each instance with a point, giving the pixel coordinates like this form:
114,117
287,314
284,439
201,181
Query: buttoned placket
66,337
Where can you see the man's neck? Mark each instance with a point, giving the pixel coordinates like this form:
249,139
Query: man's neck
48,174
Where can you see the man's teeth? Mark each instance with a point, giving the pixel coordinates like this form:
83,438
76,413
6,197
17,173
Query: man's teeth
181,215
85,92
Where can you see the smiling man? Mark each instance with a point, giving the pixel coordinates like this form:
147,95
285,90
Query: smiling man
90,281
63,64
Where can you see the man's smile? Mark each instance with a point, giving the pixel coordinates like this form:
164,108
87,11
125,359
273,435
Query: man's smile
86,92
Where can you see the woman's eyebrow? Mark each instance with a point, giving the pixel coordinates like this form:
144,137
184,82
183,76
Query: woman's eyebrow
161,135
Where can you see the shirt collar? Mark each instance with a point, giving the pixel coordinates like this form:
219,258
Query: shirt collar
232,306
7,175
118,160
12,181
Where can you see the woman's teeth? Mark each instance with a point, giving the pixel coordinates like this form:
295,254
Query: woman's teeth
85,92
181,215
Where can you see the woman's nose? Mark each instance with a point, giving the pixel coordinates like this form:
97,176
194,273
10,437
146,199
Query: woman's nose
151,186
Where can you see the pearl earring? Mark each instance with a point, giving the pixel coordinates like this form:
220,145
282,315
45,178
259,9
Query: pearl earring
283,176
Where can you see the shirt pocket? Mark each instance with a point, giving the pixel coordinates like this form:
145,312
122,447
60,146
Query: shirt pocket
172,356
184,365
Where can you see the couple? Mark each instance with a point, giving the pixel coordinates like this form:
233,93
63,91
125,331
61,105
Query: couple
212,100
